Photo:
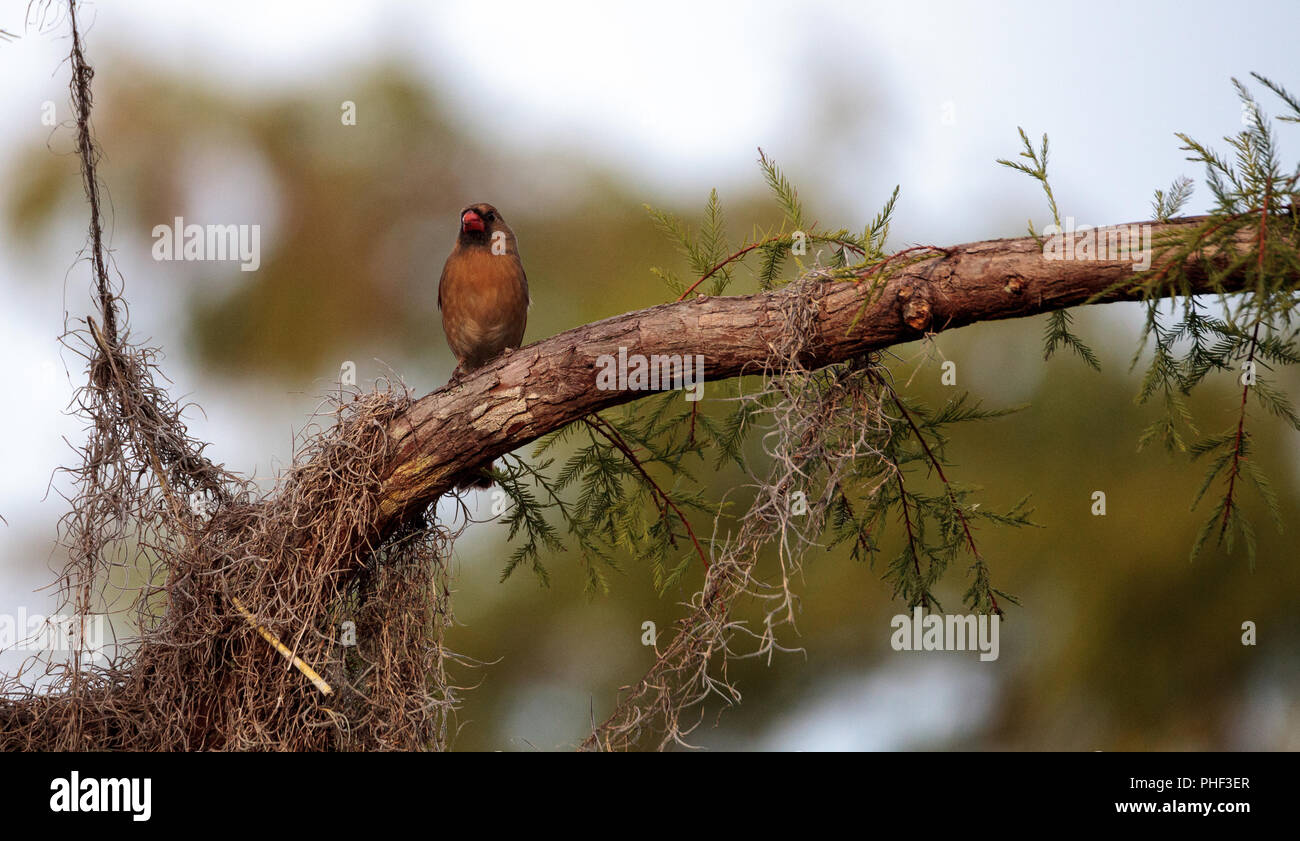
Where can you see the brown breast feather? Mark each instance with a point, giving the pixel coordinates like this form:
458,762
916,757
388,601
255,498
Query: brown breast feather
484,302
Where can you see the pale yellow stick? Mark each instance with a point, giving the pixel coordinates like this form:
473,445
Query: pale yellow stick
280,647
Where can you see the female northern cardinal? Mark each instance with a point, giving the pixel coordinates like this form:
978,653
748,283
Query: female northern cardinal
483,293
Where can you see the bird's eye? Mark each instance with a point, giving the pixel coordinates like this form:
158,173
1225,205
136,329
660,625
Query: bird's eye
491,217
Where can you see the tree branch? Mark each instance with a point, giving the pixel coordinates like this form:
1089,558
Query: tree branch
551,383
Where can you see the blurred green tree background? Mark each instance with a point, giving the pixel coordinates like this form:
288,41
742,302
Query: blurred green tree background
1120,642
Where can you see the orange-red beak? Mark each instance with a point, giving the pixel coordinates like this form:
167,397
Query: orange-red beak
471,221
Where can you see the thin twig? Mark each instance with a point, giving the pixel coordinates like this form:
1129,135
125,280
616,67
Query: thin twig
617,440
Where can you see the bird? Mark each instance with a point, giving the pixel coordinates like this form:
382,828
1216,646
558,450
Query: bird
483,291
484,300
